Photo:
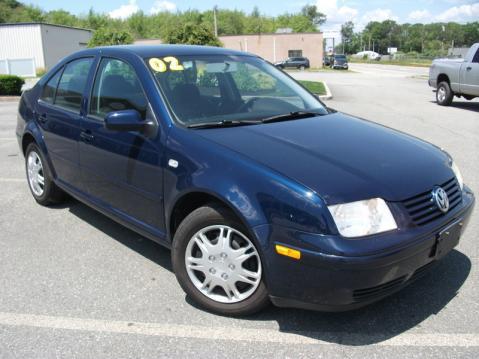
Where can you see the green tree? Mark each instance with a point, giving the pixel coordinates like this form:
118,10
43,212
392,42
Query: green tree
347,35
61,17
192,34
107,37
315,17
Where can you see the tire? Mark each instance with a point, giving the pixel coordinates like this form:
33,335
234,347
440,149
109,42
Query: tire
37,171
302,68
444,94
204,226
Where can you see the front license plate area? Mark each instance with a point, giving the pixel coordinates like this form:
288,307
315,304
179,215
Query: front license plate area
447,239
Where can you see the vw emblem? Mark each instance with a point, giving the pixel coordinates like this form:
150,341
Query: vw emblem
439,196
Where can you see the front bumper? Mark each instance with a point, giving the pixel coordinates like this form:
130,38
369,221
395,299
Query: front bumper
332,282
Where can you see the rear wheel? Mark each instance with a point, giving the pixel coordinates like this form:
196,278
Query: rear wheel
302,67
217,264
444,94
40,180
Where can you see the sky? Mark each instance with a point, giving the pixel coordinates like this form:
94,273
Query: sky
337,11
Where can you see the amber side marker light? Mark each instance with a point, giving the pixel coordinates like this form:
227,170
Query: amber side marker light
288,252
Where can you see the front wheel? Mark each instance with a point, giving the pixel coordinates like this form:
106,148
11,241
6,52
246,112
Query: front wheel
217,264
444,94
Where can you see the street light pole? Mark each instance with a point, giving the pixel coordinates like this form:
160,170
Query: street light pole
214,19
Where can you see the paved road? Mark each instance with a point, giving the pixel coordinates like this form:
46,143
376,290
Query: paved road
74,284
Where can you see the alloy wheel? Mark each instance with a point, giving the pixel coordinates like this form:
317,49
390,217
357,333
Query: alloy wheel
223,264
35,172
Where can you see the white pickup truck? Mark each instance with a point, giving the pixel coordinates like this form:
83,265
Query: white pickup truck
456,77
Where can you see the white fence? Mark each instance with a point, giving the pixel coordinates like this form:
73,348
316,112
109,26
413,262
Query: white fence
19,67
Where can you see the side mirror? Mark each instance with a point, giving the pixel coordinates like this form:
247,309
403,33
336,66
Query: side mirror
125,120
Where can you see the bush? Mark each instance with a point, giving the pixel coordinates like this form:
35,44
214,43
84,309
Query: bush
10,85
192,34
40,71
108,37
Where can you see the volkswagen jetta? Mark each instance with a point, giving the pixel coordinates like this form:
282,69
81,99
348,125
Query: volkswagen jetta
262,192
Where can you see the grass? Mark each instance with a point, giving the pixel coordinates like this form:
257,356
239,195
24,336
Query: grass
315,87
400,62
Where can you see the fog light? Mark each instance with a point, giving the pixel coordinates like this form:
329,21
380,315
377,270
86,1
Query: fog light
288,252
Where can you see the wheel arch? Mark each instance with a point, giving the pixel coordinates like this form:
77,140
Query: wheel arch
33,134
189,201
443,77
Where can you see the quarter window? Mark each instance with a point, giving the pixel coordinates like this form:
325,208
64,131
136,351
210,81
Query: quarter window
72,84
117,88
48,93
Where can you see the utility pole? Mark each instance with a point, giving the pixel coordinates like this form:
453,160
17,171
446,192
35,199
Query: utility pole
215,8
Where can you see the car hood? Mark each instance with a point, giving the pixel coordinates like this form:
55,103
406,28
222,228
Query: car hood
342,158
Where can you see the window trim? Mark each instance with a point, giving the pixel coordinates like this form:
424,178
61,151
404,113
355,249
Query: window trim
62,69
91,116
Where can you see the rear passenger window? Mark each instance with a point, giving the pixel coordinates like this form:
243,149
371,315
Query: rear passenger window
72,84
48,93
117,88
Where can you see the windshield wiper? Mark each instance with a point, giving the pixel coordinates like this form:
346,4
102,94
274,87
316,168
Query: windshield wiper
224,123
290,116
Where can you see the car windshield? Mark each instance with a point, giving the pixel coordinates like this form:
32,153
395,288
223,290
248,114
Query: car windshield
224,88
340,57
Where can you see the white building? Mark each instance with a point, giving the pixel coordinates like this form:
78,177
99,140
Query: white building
26,47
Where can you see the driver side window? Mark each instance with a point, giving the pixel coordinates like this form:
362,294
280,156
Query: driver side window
117,88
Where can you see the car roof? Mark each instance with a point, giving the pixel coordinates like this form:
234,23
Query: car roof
163,50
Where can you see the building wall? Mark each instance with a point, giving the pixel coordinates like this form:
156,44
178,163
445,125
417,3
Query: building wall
21,42
275,47
59,42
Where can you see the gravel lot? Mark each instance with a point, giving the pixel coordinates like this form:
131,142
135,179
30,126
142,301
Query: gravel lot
74,284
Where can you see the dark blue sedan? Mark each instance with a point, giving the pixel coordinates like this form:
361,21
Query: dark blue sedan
261,191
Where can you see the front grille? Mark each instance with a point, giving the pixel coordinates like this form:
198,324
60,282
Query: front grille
418,273
422,208
365,294
360,295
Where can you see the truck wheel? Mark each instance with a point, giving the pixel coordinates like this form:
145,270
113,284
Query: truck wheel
217,264
444,94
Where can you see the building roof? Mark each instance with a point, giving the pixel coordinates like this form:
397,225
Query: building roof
42,23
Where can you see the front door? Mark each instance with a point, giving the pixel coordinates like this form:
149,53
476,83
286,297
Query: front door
121,169
470,76
59,115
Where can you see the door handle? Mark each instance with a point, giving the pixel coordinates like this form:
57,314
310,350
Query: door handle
86,136
469,68
42,118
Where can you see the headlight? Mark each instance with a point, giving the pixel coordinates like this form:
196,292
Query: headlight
458,174
362,218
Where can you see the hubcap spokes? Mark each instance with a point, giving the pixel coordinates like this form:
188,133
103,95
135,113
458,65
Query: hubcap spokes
441,94
36,178
223,264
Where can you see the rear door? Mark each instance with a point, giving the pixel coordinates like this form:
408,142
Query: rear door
121,169
470,76
58,113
